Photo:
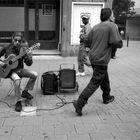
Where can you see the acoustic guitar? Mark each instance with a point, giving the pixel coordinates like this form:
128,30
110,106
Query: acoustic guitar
11,62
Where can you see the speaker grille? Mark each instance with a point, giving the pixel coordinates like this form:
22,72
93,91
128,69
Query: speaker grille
67,78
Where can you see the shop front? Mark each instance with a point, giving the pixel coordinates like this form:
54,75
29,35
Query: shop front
38,20
42,22
55,24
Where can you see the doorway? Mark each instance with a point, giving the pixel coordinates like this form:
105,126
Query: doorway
43,20
78,9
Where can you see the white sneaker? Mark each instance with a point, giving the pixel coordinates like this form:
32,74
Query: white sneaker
80,74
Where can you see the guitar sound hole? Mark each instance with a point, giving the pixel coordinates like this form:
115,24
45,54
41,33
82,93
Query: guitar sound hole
10,62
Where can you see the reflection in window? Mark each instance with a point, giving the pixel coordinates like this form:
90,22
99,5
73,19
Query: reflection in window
48,9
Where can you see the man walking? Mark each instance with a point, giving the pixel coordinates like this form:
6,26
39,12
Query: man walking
101,39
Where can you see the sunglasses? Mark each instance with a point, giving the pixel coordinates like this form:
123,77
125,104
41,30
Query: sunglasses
17,40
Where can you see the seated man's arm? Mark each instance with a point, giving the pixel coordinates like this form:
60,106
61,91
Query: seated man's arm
28,60
28,56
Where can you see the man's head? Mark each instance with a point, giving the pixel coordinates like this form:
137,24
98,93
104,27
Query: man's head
85,19
106,14
17,38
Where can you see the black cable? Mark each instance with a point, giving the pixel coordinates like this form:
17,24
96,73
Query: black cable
58,105
5,103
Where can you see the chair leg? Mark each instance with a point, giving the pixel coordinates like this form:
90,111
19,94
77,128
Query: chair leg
11,89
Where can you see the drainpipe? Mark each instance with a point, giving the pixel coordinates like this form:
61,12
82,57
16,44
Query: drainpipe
26,26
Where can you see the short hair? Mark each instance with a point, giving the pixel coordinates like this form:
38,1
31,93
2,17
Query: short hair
17,34
105,14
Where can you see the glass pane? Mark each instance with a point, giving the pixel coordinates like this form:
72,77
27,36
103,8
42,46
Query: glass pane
31,21
47,21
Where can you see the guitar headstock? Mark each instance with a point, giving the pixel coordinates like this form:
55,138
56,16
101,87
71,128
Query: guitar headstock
35,46
24,51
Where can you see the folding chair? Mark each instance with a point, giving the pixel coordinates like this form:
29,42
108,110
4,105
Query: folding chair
11,86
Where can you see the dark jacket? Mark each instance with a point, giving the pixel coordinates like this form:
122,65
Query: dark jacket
11,49
83,35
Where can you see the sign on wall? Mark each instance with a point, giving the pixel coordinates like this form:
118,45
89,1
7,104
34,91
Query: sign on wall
48,9
80,8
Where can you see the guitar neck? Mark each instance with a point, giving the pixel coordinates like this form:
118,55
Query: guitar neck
25,52
18,57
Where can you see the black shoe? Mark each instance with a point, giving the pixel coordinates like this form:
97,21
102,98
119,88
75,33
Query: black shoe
110,99
78,109
18,106
26,95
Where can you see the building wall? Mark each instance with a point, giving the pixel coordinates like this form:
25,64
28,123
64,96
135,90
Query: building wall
133,24
12,18
133,28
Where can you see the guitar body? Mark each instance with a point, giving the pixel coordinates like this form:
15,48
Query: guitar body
12,61
4,71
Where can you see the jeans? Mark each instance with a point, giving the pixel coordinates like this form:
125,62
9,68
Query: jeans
99,78
114,50
23,73
82,60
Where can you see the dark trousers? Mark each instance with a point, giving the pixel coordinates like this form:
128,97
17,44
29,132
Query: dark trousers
99,78
114,50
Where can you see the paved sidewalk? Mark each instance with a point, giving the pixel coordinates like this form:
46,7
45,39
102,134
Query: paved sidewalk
119,120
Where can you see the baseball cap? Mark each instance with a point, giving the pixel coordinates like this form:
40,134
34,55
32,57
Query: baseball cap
85,16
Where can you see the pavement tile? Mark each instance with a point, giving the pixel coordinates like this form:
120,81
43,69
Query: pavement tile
1,121
5,131
106,127
137,134
110,118
79,137
22,131
127,127
10,138
16,121
33,120
84,128
33,138
101,136
91,117
56,137
43,130
125,136
128,118
64,129
47,132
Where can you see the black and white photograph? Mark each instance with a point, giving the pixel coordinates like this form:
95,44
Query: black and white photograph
70,70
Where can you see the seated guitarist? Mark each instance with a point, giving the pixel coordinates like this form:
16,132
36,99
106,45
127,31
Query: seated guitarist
19,72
